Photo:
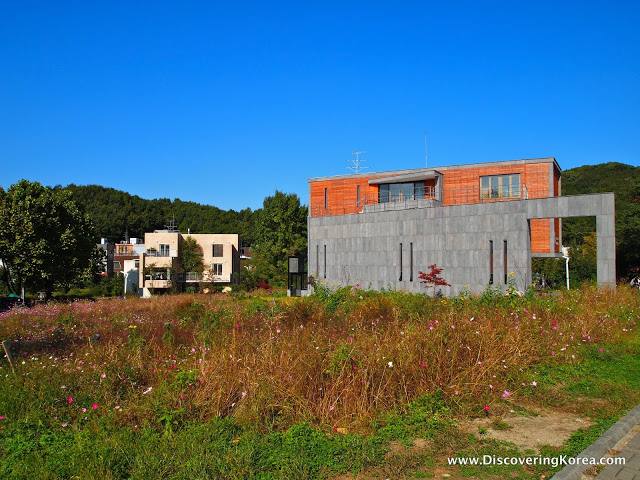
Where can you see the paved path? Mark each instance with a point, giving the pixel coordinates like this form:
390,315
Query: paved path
624,435
631,469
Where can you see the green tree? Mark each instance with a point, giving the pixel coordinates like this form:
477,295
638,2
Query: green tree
191,256
45,240
280,230
93,274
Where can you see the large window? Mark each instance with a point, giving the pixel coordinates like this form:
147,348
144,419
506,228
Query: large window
399,192
216,269
500,186
217,250
164,250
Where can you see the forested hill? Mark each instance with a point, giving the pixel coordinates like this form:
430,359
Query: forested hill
624,181
114,210
619,178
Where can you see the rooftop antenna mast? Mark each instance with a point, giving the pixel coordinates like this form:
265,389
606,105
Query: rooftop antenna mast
171,227
425,149
356,162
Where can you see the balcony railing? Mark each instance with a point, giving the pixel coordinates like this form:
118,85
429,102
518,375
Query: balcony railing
161,253
428,198
192,277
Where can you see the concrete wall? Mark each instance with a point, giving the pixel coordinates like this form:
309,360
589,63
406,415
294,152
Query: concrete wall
365,248
131,276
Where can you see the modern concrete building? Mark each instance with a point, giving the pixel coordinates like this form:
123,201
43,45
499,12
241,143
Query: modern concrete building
481,223
160,264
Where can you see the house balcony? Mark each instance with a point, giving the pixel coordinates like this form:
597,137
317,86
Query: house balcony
152,252
159,262
427,198
190,277
157,283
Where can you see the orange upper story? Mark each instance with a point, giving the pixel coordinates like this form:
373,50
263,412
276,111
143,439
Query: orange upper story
449,185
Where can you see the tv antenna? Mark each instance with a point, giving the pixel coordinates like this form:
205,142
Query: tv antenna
356,162
425,149
171,227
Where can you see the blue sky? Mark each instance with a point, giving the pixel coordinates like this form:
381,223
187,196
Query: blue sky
223,103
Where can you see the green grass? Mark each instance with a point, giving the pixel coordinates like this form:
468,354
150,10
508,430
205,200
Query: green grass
344,382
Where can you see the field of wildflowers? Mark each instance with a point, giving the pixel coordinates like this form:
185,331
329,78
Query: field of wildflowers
211,386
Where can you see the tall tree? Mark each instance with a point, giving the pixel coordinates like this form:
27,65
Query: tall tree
45,239
191,256
280,230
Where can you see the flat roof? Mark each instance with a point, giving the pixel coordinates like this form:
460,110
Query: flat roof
430,170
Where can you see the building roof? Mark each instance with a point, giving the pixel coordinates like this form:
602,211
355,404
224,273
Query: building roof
409,173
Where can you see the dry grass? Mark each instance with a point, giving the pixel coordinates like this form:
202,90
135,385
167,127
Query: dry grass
334,361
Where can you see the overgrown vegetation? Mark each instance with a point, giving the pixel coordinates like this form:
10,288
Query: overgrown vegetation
197,386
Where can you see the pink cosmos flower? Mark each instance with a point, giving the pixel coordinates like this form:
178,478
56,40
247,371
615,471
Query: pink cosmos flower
486,408
505,394
94,406
601,349
70,399
534,383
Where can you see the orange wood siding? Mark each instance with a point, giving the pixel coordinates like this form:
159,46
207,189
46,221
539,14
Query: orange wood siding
540,235
341,195
460,186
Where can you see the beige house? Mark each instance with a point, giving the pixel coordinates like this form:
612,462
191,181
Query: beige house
159,266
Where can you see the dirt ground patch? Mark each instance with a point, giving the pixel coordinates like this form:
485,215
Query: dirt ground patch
526,432
529,432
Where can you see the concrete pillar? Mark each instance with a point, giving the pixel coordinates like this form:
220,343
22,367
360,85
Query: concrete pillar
606,244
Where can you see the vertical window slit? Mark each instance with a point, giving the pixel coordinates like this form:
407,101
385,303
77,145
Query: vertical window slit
505,263
325,261
490,262
400,279
411,262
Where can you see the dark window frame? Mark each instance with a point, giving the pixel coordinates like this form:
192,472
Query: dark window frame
490,262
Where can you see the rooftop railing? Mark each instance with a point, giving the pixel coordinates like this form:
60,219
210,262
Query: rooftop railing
427,198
